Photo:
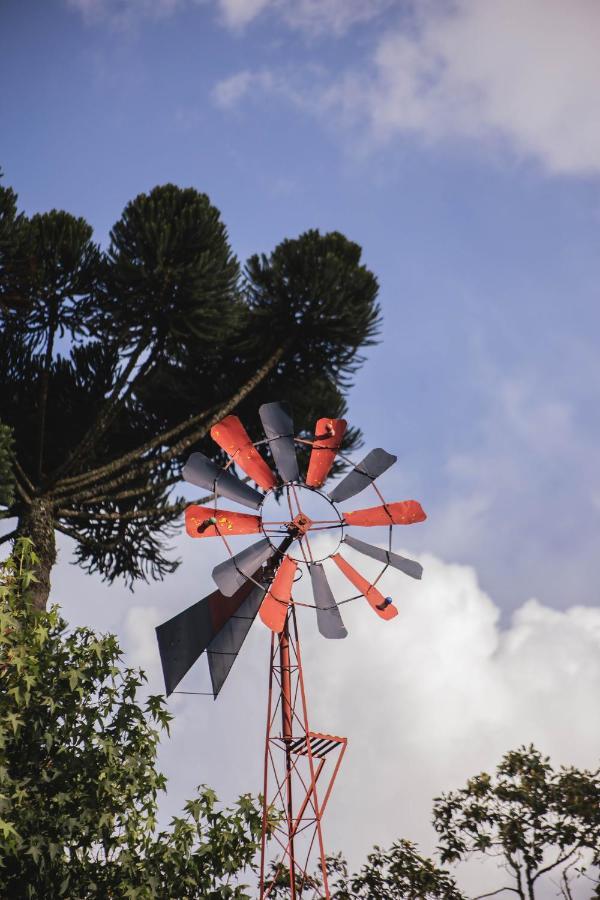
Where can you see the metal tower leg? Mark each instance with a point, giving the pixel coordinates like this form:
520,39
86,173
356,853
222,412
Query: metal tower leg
294,763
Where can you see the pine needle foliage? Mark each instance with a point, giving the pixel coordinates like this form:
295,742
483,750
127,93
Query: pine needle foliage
115,363
7,478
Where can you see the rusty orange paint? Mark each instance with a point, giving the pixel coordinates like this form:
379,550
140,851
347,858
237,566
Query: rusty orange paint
328,439
371,593
232,437
223,608
302,523
406,512
198,525
274,607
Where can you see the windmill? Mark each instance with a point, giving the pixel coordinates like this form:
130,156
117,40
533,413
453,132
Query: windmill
300,764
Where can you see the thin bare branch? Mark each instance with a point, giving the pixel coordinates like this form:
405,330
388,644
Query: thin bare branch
72,486
176,509
557,862
8,537
565,886
170,510
84,539
27,483
493,893
111,407
146,466
123,495
127,516
80,493
23,493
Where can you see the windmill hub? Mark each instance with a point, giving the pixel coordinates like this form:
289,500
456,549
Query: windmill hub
308,516
300,524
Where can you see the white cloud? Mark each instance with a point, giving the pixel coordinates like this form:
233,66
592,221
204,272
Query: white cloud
523,76
139,625
427,700
238,13
527,73
442,692
520,488
250,86
122,14
313,16
332,16
231,91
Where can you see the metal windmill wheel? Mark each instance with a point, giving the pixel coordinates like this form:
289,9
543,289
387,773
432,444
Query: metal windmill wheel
259,579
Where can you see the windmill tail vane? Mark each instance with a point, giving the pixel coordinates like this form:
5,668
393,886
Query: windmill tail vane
258,581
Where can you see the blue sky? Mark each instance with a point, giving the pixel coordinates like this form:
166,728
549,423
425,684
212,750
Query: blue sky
488,261
459,144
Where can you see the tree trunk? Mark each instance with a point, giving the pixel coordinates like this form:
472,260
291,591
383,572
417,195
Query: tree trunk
37,523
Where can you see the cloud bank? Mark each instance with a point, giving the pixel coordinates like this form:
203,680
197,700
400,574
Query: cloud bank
524,76
313,16
528,73
427,700
124,14
316,16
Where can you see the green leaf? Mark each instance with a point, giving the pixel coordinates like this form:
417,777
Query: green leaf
7,829
79,784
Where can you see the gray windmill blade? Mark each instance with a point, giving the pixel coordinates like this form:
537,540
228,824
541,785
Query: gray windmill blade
183,639
278,426
362,475
217,624
223,650
408,566
329,619
230,575
203,472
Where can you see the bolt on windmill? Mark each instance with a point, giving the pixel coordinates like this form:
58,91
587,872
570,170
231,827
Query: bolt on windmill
300,764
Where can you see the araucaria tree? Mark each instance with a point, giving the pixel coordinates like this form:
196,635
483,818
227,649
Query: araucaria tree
115,363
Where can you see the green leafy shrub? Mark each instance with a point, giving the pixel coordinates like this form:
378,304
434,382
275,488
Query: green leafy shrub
78,779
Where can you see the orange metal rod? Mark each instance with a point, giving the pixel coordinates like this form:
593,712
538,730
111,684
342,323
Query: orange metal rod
318,811
266,771
286,729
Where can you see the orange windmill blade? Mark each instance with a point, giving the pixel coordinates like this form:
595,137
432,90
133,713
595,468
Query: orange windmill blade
329,434
231,435
406,512
205,521
383,606
274,608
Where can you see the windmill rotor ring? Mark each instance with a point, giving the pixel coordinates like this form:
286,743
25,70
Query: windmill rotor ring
259,580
